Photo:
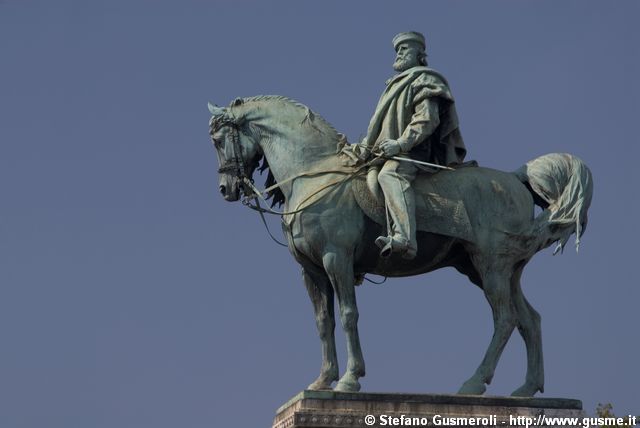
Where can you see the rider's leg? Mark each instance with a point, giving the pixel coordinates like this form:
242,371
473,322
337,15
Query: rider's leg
395,179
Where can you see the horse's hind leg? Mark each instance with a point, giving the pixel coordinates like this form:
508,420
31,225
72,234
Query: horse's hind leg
529,328
339,268
321,294
495,283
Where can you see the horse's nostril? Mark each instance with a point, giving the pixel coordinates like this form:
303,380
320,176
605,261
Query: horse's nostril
223,189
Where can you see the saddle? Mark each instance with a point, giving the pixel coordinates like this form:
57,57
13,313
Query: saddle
440,206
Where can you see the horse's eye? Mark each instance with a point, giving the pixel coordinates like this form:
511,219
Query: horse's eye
216,142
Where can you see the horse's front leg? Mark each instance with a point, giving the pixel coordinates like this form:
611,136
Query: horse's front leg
321,294
339,267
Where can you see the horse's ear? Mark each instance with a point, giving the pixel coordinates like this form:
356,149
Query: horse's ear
215,110
240,119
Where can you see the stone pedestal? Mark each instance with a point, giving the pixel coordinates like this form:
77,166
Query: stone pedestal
323,409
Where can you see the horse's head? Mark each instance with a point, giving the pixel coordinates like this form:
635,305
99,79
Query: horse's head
237,151
287,134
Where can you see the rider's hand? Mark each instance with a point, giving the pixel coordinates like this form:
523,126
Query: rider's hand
348,156
354,154
389,147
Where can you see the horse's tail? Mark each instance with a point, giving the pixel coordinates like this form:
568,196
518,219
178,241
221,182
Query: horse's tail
562,185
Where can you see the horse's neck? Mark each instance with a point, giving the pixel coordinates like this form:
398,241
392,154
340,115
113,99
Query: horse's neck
288,159
293,139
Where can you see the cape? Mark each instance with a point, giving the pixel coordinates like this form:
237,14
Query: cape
395,111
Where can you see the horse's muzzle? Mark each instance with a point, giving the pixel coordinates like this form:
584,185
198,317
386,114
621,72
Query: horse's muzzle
230,193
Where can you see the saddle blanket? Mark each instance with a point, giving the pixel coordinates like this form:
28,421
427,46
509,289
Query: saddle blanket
440,207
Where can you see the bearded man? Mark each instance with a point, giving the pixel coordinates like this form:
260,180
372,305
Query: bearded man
415,118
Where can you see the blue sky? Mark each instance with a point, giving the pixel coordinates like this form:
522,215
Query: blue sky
133,295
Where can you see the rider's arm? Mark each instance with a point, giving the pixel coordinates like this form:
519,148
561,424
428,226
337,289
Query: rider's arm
423,123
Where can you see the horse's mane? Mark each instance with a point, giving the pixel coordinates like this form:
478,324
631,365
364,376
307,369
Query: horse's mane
311,119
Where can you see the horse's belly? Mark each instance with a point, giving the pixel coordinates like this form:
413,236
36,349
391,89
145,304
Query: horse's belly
433,252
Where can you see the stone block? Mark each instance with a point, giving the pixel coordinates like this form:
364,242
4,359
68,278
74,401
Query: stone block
324,409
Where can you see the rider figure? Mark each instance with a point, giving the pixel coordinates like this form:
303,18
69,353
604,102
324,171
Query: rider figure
415,118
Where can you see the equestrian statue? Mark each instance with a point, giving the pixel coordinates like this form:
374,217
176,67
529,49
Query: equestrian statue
353,209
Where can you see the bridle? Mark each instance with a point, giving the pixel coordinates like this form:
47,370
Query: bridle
236,164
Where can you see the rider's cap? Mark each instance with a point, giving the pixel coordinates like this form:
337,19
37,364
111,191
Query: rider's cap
409,36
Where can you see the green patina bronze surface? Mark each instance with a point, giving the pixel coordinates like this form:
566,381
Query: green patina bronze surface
477,220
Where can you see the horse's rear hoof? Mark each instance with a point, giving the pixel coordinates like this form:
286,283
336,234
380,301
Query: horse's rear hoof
347,384
472,388
526,391
319,386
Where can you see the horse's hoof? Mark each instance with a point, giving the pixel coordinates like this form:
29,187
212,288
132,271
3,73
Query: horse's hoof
347,384
320,385
471,387
525,390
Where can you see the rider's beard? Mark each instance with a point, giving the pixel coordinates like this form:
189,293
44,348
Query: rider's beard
401,64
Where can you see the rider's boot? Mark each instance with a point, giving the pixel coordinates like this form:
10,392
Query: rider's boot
400,202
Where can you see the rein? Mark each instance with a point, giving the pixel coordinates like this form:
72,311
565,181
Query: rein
257,195
348,171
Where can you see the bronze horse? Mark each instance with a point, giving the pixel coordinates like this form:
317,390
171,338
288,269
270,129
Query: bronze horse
332,238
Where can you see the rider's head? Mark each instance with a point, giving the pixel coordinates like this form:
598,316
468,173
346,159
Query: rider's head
410,51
